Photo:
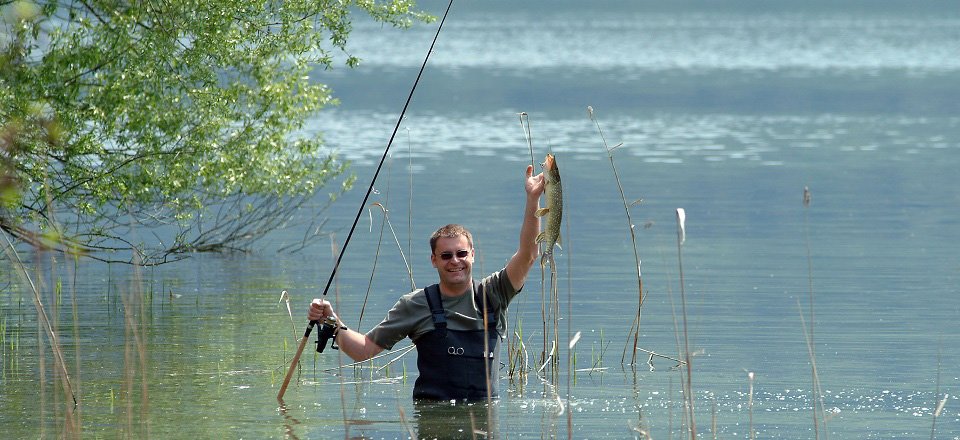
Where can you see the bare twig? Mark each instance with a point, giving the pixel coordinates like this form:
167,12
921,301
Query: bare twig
61,364
635,327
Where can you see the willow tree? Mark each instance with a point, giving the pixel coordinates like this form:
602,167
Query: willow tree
158,128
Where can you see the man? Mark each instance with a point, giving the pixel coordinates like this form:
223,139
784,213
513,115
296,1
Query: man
455,353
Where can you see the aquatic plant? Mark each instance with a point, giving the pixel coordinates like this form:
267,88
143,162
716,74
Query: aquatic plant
60,364
687,355
635,327
819,414
753,433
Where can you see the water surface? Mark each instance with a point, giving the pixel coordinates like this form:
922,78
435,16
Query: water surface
726,112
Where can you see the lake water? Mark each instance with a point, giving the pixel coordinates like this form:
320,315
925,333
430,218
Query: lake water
726,110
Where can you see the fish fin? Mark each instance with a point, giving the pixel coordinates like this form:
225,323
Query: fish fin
559,241
542,212
540,237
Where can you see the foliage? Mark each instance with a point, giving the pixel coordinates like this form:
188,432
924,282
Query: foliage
180,118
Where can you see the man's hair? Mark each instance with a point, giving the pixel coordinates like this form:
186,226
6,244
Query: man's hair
449,231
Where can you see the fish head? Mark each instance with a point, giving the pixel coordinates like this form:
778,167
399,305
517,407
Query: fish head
549,163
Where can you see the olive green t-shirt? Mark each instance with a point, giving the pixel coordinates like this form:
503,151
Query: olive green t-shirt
410,316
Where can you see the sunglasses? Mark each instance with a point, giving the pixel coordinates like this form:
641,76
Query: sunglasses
461,254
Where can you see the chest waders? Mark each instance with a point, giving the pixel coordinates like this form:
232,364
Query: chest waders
453,363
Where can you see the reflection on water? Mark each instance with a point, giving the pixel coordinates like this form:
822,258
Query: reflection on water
446,420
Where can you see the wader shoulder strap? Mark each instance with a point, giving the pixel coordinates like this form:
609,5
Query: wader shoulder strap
435,302
432,293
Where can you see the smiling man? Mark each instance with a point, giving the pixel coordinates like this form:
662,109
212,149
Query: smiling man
456,354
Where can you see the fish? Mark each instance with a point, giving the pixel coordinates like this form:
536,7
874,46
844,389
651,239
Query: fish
553,193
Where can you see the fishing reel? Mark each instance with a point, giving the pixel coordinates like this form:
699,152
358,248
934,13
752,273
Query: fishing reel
328,330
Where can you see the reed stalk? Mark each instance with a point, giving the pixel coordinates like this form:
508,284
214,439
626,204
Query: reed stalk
571,354
135,351
41,349
670,405
397,353
515,351
942,402
47,328
486,365
519,359
713,418
635,326
571,368
285,299
525,126
819,413
74,306
385,224
406,425
654,354
72,423
393,233
543,315
596,356
555,323
688,388
376,255
373,270
813,367
753,433
677,333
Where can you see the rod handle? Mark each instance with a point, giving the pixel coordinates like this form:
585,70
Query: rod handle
296,359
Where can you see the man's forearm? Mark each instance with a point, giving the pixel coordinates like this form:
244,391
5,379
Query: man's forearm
521,262
357,345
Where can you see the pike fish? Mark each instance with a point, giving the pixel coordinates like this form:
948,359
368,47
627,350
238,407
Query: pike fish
553,211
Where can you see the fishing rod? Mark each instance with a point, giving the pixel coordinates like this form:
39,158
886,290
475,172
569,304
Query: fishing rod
311,324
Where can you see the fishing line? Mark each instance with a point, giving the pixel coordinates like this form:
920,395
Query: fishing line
306,333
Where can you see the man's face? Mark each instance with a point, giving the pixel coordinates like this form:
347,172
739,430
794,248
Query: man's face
453,258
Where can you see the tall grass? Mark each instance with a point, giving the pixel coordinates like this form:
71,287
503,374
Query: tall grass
688,357
571,354
942,402
135,357
634,332
384,223
43,319
551,326
71,401
819,413
753,433
75,314
518,359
